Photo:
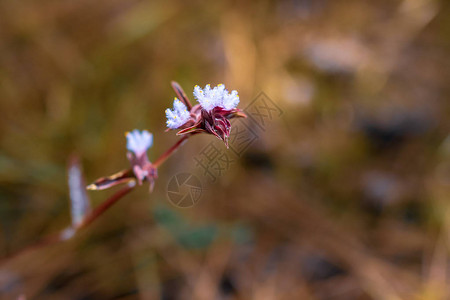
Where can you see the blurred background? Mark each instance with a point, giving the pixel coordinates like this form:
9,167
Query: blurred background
343,195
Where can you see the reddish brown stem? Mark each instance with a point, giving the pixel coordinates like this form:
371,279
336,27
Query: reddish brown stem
170,151
99,210
181,94
61,236
48,240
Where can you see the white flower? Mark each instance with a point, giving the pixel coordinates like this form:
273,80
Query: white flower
138,142
230,100
178,116
216,97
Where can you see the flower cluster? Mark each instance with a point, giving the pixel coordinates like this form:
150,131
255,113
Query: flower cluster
216,97
211,115
216,106
138,142
178,116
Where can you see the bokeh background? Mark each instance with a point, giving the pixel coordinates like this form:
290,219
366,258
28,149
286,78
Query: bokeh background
344,196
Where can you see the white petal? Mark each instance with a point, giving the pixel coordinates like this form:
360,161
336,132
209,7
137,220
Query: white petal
178,116
216,97
231,100
139,142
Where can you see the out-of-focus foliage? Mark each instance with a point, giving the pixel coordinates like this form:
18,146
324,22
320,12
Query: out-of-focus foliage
345,196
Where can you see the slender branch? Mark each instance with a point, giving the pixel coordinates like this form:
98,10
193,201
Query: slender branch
181,94
170,151
70,231
99,210
42,242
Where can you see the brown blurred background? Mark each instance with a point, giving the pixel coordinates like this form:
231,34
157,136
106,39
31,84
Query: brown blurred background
344,196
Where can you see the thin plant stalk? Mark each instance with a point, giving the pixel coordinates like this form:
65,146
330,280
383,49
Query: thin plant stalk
70,231
160,160
181,94
99,210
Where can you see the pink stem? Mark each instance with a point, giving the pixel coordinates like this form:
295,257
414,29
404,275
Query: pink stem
181,94
91,217
99,210
170,151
